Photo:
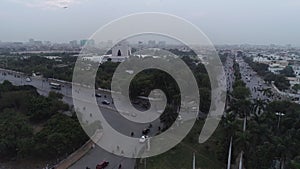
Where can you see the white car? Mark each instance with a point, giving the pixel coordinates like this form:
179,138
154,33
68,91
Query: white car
105,102
179,118
28,79
98,95
143,139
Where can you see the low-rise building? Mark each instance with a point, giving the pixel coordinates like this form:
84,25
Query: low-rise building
276,68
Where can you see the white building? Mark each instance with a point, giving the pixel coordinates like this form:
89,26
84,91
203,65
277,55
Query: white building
276,68
294,80
261,59
121,49
120,52
296,69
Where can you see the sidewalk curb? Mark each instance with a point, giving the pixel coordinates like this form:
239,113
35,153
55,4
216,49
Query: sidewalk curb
79,153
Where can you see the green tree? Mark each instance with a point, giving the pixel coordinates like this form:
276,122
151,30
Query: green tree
296,87
288,71
241,92
282,83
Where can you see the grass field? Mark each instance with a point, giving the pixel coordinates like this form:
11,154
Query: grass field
181,156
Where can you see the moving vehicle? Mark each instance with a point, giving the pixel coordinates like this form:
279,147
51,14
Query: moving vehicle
102,165
105,102
143,139
146,131
28,79
55,86
179,118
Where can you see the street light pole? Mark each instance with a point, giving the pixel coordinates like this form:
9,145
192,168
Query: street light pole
279,114
241,161
194,161
241,157
229,154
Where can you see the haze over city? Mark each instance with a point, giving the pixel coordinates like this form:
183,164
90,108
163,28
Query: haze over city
165,84
224,22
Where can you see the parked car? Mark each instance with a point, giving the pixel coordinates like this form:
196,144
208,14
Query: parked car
102,165
98,95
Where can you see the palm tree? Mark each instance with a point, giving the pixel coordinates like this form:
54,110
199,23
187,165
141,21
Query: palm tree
242,144
258,106
229,124
295,163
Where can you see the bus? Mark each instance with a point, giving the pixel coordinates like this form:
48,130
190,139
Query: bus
55,86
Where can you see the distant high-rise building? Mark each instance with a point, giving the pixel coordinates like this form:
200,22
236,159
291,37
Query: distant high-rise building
47,43
73,43
288,45
83,42
140,45
109,43
38,43
90,42
162,44
151,43
31,41
35,42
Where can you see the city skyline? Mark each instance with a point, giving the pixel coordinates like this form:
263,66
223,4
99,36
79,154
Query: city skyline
230,22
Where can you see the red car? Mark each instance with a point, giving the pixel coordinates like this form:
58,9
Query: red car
102,165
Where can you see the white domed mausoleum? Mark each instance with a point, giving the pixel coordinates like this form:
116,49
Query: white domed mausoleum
121,49
119,53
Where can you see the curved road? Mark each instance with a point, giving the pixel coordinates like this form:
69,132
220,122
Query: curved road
121,124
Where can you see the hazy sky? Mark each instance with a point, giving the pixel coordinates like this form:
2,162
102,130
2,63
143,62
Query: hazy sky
223,21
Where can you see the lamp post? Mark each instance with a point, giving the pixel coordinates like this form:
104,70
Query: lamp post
279,114
194,161
229,154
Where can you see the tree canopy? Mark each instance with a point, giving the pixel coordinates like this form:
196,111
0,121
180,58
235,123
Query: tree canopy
32,125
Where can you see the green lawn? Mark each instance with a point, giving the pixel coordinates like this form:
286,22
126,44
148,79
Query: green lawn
181,156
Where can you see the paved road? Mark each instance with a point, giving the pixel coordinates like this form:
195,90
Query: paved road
114,161
228,67
117,121
254,82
